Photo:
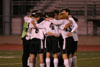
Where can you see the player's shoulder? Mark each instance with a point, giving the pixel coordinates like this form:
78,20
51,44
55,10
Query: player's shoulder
64,20
47,21
71,18
27,18
44,22
53,20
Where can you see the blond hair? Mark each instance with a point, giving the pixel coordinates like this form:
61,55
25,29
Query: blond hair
62,16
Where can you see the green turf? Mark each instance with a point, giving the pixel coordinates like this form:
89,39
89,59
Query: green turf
88,59
85,59
11,58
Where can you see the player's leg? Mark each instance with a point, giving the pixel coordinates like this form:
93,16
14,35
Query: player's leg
51,60
48,50
35,60
65,58
70,59
33,51
25,52
31,60
41,60
55,48
60,63
48,59
66,52
71,43
74,60
55,60
74,54
41,52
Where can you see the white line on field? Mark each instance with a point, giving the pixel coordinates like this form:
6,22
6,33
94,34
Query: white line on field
21,63
90,58
10,64
9,57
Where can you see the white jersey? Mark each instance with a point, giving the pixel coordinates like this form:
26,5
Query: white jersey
56,22
31,25
27,19
61,28
49,27
38,35
74,30
75,35
29,32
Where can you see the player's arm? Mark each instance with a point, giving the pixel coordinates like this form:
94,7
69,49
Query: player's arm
34,24
51,34
75,26
58,22
69,34
67,25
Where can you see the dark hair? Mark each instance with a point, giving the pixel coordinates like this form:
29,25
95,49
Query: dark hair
49,14
56,12
34,12
67,10
76,20
46,14
52,14
36,15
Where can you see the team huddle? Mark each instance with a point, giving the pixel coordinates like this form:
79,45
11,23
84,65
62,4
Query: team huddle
52,36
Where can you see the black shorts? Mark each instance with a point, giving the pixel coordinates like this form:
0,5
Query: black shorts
74,47
36,46
26,44
60,42
52,44
67,45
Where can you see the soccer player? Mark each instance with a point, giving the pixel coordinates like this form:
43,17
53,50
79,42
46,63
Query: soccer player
36,46
75,36
71,32
26,42
67,39
55,21
51,43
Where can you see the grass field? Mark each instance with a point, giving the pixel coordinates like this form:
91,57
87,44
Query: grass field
85,58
